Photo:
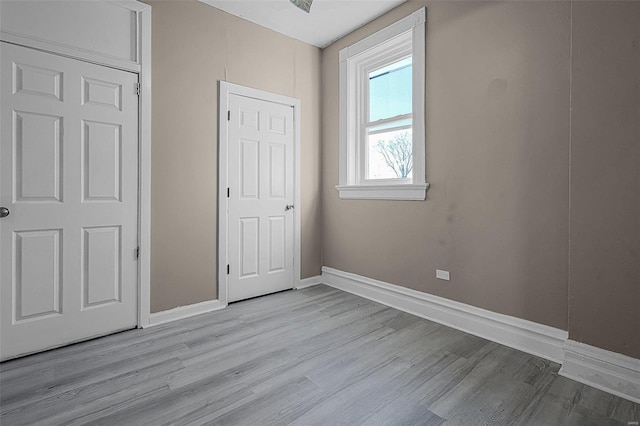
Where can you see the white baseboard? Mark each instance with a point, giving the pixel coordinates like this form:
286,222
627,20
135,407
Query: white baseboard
181,312
308,282
605,370
211,305
537,339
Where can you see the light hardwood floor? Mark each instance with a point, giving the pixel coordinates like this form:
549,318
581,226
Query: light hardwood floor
313,356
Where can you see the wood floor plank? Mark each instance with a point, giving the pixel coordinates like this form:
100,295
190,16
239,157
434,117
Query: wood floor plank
65,407
312,356
352,403
403,412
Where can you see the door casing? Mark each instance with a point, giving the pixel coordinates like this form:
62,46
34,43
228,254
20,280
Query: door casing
225,89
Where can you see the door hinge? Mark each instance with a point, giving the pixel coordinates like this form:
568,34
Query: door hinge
228,192
228,269
228,115
138,253
138,89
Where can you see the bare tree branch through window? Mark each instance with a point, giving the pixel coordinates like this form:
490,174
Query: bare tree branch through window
398,154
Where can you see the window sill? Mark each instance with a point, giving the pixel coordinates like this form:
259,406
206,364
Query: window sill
410,192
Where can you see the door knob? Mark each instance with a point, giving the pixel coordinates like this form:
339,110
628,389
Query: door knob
288,207
4,212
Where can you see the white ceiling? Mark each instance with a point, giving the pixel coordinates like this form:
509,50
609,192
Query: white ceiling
328,20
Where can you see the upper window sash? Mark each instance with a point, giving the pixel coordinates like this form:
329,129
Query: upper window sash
385,81
362,65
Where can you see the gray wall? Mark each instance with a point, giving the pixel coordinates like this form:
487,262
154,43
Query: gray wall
193,46
501,148
604,291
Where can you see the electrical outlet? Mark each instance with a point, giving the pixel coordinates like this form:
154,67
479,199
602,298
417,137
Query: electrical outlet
443,275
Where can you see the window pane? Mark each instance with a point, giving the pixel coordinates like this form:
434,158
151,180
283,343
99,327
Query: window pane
390,90
390,154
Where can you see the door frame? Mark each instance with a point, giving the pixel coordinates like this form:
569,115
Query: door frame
144,167
141,65
225,90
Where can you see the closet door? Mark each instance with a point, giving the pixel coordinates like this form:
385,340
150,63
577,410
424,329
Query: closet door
69,183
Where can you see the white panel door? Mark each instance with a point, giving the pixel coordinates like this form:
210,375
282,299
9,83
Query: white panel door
69,177
261,145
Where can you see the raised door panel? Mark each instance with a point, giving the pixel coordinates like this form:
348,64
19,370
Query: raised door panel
249,247
277,170
37,274
102,161
249,119
101,273
277,243
37,151
249,169
277,124
100,93
37,81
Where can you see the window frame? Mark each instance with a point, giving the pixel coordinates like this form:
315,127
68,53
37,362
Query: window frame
399,40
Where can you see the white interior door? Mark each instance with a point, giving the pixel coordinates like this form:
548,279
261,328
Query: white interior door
260,152
69,177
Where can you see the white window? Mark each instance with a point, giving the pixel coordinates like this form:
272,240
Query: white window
382,130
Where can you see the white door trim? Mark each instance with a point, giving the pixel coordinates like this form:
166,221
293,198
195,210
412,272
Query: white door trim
144,167
141,66
225,90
